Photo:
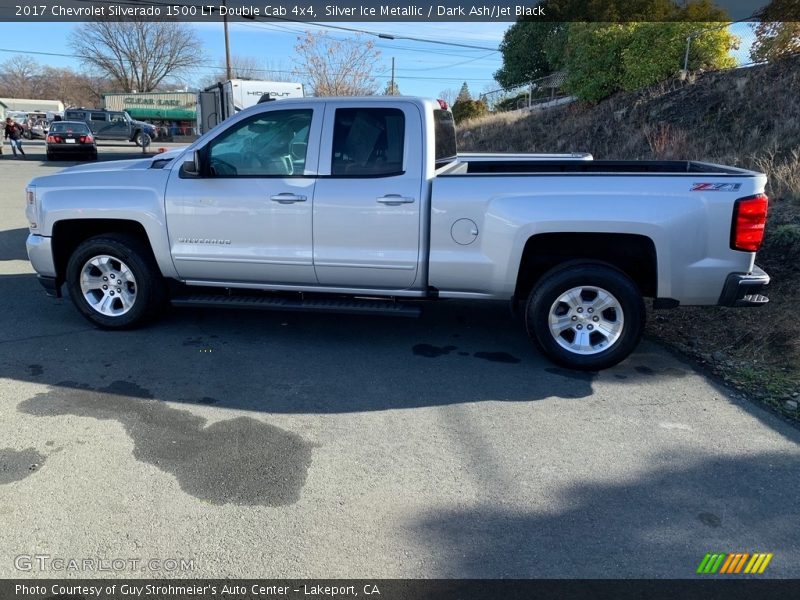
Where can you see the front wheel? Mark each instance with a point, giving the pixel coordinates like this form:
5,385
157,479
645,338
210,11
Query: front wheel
114,281
586,316
142,139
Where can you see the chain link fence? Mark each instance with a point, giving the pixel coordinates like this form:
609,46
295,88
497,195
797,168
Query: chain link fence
538,91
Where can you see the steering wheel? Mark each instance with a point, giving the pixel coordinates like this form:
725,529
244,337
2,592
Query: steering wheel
220,167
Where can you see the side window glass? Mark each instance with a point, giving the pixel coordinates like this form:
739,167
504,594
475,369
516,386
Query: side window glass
98,117
270,144
368,142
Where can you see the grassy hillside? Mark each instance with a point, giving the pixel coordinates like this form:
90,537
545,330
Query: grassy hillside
745,117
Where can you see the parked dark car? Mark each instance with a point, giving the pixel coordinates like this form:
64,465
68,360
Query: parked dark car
70,138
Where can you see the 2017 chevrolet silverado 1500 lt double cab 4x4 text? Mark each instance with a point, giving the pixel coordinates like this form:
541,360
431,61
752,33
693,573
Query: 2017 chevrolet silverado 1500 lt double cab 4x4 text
362,204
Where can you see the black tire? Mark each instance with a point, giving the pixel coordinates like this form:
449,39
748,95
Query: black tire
50,156
593,276
140,137
93,156
149,288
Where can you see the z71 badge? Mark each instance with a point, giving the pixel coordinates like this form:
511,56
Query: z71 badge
716,187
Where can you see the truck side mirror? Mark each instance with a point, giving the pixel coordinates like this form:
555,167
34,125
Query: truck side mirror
192,166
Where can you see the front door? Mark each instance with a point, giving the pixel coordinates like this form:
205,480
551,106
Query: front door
248,217
118,128
367,207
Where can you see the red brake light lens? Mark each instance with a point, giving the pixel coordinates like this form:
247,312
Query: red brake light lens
443,104
749,219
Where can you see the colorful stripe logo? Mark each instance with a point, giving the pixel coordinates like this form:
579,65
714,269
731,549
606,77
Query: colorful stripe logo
734,563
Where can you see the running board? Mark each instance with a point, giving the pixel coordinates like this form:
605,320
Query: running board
331,305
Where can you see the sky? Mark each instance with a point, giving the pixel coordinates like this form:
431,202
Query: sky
421,69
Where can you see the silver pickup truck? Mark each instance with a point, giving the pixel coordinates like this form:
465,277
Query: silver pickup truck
363,205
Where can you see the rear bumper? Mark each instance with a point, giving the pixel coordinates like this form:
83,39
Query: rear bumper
743,289
71,148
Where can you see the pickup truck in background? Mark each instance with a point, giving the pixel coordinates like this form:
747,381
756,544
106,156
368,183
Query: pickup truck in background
363,205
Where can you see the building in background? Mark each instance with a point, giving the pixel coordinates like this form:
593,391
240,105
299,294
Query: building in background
32,105
173,113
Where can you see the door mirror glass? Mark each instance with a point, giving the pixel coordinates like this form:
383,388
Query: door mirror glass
192,165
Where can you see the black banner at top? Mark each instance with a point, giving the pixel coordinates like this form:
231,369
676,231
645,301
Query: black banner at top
399,10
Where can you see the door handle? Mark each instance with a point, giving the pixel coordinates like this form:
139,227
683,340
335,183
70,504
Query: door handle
287,198
394,199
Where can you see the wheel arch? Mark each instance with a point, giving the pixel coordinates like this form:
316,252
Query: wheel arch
632,254
68,234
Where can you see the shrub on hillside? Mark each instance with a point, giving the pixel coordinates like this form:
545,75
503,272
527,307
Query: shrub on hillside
464,110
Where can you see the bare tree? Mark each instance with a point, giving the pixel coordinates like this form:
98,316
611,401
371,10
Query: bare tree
21,77
337,67
137,56
449,96
73,89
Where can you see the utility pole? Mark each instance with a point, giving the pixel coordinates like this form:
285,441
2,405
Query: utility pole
227,44
394,90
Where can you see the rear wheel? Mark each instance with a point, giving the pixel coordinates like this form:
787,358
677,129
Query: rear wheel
114,282
586,316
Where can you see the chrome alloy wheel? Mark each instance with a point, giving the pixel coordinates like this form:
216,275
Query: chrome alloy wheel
586,320
108,285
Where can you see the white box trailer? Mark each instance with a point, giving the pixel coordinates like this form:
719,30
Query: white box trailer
218,102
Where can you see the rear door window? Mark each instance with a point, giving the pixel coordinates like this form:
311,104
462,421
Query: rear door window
368,142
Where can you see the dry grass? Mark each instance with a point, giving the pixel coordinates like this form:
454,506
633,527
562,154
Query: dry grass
745,117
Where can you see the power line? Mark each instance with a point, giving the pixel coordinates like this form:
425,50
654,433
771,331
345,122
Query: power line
208,67
382,35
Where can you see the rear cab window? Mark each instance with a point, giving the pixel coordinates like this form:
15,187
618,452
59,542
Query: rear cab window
444,137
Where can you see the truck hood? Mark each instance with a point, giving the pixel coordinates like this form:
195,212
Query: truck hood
151,162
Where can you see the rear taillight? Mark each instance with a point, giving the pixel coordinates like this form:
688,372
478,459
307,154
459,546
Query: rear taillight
51,138
749,219
85,139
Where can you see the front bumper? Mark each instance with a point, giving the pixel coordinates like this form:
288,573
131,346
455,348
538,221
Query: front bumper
743,289
40,253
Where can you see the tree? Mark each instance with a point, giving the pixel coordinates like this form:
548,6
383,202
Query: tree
464,93
337,67
775,40
777,33
464,110
21,77
24,77
531,49
449,96
603,58
137,55
392,89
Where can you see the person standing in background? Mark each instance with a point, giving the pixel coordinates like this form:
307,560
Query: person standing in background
13,132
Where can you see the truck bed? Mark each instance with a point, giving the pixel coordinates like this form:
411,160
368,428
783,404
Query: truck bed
518,165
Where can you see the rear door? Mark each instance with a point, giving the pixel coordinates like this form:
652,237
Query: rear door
367,201
117,128
99,124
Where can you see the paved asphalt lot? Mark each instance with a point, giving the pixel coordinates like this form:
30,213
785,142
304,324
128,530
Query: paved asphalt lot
289,445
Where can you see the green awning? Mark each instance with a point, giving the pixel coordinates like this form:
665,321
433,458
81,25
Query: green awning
173,114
